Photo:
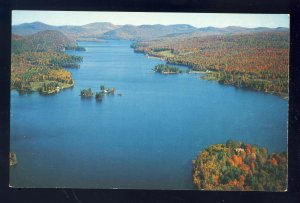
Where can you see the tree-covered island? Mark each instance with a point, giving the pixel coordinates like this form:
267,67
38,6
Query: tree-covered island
167,69
105,90
240,166
99,96
38,62
88,93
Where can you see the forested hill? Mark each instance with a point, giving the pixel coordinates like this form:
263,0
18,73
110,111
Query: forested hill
258,61
49,40
38,61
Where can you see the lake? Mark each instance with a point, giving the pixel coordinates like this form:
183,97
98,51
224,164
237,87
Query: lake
144,139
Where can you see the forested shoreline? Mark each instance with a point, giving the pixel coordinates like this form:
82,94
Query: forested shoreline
38,62
257,61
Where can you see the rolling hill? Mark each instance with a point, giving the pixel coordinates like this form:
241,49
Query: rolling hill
48,40
92,30
100,30
143,32
105,30
31,28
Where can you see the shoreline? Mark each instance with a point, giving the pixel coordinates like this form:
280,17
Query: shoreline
281,95
33,90
57,90
154,57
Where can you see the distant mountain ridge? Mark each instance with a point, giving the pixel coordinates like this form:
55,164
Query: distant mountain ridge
72,31
106,30
147,31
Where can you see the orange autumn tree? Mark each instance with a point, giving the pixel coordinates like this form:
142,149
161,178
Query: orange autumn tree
240,166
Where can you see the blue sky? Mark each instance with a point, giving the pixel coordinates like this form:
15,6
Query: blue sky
139,18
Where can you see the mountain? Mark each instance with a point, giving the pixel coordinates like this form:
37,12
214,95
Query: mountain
88,31
124,32
31,28
230,30
281,29
100,27
143,32
96,30
106,30
92,30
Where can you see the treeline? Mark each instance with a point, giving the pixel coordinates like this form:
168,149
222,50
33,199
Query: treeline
240,166
49,59
258,61
76,48
267,82
38,62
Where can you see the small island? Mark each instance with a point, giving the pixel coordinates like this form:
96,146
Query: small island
12,159
86,93
105,90
99,96
166,69
240,166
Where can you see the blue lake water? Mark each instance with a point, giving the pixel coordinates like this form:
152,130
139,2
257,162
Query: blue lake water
144,139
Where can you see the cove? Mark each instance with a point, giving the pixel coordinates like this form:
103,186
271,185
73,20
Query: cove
144,139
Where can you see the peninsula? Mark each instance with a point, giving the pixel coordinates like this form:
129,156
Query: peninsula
39,62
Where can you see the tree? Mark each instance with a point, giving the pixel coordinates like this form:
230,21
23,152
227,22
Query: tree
257,171
102,87
99,96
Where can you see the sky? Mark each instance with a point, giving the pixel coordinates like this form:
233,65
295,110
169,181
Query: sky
138,18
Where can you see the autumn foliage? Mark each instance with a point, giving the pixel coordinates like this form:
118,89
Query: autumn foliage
256,61
38,62
240,166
